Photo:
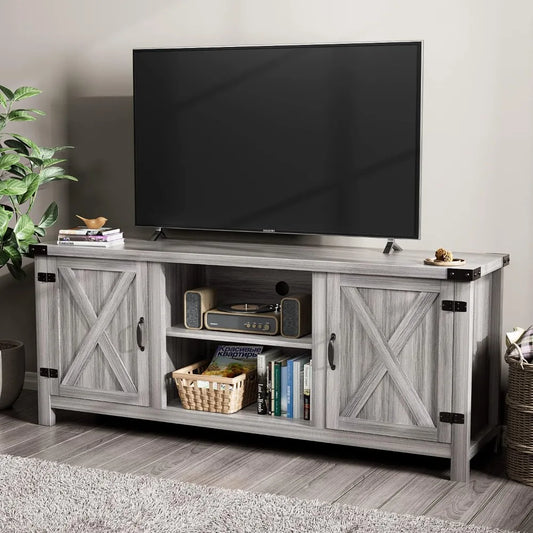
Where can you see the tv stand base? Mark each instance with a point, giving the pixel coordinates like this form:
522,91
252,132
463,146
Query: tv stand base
392,245
158,233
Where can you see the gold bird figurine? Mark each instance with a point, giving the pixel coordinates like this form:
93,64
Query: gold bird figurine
93,223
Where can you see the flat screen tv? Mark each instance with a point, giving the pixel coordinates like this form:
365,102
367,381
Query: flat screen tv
319,139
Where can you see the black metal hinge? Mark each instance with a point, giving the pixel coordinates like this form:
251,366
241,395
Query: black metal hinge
45,277
464,274
48,372
454,305
452,418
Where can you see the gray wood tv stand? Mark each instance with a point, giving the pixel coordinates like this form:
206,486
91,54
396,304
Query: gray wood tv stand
416,351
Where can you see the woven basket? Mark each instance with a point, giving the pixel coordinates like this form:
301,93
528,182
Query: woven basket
519,440
224,395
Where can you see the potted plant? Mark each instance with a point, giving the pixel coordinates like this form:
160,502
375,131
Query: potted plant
24,168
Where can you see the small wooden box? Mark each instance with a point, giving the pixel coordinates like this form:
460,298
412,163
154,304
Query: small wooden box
224,395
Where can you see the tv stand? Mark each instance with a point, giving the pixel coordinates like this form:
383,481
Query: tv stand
413,365
158,233
392,245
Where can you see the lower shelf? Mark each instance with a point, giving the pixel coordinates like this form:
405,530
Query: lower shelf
248,421
248,413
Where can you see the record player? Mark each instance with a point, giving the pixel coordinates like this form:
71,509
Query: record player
262,319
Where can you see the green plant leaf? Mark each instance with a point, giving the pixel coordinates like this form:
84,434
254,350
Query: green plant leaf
8,160
12,187
14,255
50,172
61,177
24,228
18,146
49,217
46,153
40,231
20,115
25,92
35,160
9,94
49,162
32,181
29,143
2,121
4,257
3,100
16,271
5,217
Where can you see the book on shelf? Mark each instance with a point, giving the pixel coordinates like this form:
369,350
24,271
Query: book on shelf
97,244
84,230
231,361
263,385
276,388
90,238
308,387
295,377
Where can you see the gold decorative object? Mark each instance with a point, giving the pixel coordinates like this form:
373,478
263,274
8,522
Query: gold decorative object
93,223
443,255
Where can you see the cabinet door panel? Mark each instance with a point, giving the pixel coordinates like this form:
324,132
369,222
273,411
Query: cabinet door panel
99,307
393,362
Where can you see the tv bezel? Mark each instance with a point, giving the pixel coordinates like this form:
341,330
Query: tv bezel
273,231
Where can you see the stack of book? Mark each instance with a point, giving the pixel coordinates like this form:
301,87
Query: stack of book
284,385
82,236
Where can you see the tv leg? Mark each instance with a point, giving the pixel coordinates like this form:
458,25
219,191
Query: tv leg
392,245
158,233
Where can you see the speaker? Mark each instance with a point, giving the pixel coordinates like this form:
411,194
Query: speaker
296,315
196,303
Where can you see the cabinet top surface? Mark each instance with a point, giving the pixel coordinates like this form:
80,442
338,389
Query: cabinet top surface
338,259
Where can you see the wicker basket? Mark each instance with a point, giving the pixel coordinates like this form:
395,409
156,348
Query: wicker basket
224,395
519,440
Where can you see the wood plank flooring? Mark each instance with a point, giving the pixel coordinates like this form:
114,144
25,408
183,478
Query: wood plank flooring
384,480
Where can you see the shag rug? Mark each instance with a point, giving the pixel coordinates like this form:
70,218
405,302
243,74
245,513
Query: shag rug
41,496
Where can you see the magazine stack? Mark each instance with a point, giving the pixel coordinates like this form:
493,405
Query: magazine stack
82,236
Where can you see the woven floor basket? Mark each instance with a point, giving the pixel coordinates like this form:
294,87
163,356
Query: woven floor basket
224,395
519,400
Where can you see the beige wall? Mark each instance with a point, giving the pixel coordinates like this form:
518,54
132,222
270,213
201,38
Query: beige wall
477,163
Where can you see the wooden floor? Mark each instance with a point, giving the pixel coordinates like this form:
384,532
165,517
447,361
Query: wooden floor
390,481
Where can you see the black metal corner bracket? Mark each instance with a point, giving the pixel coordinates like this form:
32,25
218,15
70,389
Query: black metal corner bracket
464,274
38,249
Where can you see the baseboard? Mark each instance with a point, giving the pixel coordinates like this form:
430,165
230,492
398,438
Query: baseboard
30,381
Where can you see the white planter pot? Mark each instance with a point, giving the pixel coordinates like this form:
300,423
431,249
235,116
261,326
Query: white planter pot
12,369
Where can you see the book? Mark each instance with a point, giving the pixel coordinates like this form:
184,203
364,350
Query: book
276,388
99,244
84,230
283,387
295,386
308,384
85,238
263,387
231,361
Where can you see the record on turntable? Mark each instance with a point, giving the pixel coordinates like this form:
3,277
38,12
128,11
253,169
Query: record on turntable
248,308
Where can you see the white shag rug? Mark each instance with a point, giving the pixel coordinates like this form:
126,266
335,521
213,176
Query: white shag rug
41,496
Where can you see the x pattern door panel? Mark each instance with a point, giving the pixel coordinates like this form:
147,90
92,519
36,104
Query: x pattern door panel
390,360
98,315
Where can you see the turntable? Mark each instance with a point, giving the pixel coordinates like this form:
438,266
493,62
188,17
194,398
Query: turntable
247,317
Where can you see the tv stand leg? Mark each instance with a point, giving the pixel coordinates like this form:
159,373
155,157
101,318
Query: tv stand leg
158,233
392,245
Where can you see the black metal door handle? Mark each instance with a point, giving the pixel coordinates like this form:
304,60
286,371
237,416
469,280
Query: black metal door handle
331,351
140,341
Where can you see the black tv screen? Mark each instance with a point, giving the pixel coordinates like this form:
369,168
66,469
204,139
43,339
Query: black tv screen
320,139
